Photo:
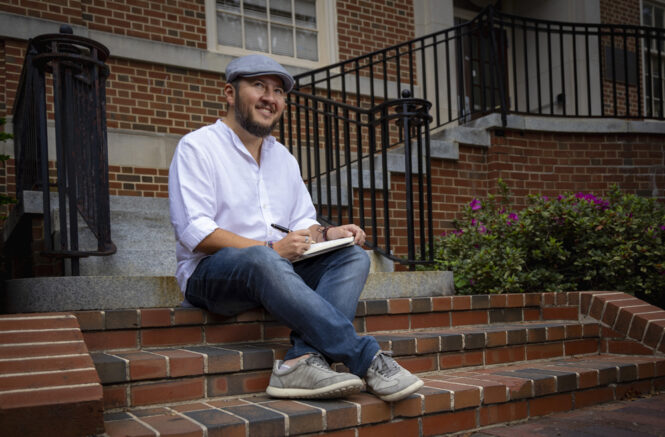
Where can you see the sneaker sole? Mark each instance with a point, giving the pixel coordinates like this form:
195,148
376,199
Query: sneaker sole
405,392
338,390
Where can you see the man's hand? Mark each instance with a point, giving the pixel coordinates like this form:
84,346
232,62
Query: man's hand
294,244
347,231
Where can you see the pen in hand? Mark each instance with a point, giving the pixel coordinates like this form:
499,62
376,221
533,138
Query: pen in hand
281,228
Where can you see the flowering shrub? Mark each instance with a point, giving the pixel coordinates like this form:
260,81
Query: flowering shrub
574,242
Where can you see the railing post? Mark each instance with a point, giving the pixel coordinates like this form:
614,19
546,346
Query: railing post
78,73
498,66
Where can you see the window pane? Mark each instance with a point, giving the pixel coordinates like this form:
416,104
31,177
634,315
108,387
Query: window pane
229,30
647,15
280,11
307,45
282,40
256,35
306,13
255,8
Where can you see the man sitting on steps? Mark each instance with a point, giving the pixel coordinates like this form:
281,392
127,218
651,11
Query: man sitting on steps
228,182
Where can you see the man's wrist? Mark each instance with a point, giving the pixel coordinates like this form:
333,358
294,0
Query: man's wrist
269,244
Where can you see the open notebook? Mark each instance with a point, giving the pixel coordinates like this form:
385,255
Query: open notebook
325,246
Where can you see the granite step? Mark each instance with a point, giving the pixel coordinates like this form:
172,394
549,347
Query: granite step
158,374
449,402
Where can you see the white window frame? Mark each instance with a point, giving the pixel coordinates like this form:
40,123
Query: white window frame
326,22
652,52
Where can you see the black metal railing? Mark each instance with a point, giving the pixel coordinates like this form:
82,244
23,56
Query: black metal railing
493,63
72,68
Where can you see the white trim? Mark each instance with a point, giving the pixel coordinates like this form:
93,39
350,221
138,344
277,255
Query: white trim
326,21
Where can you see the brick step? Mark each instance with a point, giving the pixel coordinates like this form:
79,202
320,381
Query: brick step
166,327
156,375
449,402
46,373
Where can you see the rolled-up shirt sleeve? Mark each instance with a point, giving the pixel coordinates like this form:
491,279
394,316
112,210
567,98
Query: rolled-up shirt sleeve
192,201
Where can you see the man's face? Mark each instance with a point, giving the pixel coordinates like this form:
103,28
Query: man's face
259,103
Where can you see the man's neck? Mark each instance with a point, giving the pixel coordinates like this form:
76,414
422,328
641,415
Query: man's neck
252,143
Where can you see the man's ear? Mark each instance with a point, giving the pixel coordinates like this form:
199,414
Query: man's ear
230,93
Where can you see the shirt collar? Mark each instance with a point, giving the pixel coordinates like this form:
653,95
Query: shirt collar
268,141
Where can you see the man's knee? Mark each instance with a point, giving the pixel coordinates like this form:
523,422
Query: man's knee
359,257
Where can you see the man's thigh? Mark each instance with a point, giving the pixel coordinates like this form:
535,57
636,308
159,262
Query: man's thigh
222,282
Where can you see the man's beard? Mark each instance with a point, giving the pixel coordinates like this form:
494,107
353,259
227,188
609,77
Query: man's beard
243,116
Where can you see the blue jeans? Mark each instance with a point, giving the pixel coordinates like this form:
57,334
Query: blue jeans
316,298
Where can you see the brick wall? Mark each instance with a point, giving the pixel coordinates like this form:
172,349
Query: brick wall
365,26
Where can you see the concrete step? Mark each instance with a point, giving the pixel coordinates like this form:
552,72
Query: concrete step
132,290
395,163
449,402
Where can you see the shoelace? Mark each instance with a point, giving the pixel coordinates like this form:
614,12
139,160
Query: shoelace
385,365
318,361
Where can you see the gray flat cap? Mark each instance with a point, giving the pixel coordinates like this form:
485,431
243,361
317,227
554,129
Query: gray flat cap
258,65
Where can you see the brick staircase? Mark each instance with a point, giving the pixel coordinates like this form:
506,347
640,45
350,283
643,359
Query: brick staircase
484,359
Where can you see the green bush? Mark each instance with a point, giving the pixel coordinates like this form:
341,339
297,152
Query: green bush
574,242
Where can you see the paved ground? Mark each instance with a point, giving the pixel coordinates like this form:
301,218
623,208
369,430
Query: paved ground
638,417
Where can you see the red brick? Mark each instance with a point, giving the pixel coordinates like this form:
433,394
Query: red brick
463,359
115,396
442,303
461,303
514,300
419,364
531,314
633,389
171,336
39,350
52,396
144,365
496,338
151,317
653,335
40,336
449,422
560,313
550,404
594,396
386,323
399,306
400,428
478,317
188,316
36,321
627,347
505,355
42,364
108,340
578,347
463,396
172,391
430,320
233,333
498,301
50,379
503,413
372,409
542,351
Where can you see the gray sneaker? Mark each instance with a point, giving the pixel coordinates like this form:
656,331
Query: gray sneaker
390,381
311,378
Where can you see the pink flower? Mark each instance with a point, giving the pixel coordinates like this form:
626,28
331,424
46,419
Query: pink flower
475,205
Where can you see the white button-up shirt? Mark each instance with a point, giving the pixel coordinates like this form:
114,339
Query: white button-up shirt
214,182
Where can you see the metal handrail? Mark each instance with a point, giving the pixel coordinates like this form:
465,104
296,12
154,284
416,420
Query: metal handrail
78,73
496,62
